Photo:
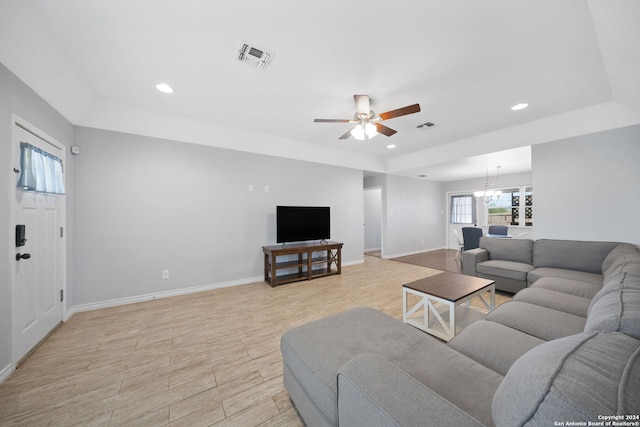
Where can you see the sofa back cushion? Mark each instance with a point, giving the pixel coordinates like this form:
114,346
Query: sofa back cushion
585,375
621,259
616,307
617,254
619,270
516,250
571,254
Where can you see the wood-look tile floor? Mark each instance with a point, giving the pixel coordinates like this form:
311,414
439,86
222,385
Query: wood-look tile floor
441,259
211,358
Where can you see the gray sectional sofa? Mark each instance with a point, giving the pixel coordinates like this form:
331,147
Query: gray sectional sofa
516,263
564,349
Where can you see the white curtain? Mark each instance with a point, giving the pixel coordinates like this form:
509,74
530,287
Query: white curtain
463,210
40,171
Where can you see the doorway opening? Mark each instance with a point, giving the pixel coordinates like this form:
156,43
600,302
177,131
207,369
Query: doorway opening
373,221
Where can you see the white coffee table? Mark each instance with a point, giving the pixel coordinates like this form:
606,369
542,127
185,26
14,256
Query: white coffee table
446,292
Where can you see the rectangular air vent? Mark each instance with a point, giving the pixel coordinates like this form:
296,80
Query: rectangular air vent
427,124
254,56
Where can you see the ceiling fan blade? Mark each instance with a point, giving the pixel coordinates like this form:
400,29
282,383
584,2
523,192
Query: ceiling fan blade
346,135
410,109
331,120
362,103
385,130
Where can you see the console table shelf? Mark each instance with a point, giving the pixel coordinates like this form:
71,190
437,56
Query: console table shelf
307,265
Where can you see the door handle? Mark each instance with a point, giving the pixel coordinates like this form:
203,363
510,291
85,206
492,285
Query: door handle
20,256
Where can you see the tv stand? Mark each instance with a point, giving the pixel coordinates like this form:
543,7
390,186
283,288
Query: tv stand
306,261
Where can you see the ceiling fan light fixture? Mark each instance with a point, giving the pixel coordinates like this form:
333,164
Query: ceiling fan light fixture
367,122
370,130
358,133
362,132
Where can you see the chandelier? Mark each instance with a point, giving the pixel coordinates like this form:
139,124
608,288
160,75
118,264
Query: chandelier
489,195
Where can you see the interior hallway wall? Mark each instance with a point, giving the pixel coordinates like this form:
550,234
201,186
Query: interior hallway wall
414,216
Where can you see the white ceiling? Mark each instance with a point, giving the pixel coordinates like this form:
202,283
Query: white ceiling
466,62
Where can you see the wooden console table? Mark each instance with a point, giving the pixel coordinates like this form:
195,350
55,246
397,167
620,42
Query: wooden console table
312,260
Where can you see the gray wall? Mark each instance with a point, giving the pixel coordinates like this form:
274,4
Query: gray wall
588,187
19,99
414,216
144,205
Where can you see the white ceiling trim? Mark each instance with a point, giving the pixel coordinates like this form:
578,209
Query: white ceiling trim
141,121
607,115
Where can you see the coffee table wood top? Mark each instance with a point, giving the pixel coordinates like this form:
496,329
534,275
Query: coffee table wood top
449,286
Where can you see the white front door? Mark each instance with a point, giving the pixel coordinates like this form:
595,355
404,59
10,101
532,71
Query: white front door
38,266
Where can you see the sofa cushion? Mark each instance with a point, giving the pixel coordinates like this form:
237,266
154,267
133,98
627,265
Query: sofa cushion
630,279
585,375
508,269
571,304
540,272
516,250
542,322
314,352
377,393
616,308
617,253
571,254
494,345
568,286
616,269
305,406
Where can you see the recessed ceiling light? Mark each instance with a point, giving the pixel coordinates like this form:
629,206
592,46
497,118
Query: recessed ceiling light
520,106
422,176
165,88
391,146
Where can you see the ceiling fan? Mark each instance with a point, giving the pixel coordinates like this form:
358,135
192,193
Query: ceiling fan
367,122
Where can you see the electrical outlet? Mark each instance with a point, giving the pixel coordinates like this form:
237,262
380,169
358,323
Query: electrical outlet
165,274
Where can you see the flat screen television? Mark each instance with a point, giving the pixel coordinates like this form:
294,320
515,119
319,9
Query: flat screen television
302,223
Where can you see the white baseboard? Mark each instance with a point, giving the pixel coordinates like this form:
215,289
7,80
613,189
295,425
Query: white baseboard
420,251
166,294
6,372
355,262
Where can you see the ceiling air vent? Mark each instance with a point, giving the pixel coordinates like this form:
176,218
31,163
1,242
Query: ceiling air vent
254,56
426,125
